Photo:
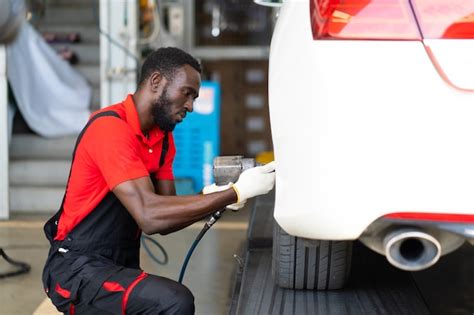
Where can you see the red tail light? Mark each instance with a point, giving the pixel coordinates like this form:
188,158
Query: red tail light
363,19
392,19
445,18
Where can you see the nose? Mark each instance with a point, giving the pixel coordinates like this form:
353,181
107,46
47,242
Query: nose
189,105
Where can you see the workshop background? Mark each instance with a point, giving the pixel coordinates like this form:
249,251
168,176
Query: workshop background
103,43
73,57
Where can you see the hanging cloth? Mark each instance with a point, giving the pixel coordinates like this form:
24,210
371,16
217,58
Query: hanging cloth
52,96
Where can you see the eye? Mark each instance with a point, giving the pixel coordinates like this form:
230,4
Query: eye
190,93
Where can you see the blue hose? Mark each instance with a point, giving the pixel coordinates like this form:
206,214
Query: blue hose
148,251
190,252
213,219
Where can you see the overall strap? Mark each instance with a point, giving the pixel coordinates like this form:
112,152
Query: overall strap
50,228
164,149
79,138
102,114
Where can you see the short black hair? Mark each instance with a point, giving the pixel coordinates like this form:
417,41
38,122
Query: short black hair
167,61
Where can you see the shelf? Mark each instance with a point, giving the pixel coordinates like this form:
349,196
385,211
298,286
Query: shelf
231,52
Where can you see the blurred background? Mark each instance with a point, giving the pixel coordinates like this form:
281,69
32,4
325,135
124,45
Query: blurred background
104,43
61,60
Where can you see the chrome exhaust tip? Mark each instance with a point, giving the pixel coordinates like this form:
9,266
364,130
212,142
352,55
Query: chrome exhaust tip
411,249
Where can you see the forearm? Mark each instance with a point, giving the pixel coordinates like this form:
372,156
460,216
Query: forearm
165,188
166,214
156,213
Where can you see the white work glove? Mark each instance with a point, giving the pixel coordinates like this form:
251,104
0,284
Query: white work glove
214,188
255,181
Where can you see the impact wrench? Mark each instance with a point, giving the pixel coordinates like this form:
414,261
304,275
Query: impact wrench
226,169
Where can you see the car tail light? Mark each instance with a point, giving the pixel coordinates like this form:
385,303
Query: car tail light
363,19
392,19
445,18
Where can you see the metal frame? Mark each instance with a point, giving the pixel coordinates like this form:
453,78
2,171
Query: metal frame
4,191
189,22
231,52
118,49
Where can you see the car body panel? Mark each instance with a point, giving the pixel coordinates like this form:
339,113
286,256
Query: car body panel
456,59
364,128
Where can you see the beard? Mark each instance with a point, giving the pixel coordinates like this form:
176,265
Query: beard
161,113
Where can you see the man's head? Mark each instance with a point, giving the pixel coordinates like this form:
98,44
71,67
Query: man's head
171,79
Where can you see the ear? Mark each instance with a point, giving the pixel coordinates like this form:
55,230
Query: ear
155,80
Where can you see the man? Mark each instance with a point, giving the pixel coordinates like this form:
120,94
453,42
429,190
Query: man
121,183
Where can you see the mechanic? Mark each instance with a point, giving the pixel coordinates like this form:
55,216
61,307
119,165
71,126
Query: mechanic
120,184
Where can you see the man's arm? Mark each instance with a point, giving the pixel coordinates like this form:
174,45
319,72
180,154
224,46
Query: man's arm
165,214
165,187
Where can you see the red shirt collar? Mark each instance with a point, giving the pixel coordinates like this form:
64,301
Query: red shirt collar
155,135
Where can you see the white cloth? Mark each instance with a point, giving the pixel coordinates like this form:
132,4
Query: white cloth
52,96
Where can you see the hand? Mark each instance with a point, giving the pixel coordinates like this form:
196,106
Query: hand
214,188
255,181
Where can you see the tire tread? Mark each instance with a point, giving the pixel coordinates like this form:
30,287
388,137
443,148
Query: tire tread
325,266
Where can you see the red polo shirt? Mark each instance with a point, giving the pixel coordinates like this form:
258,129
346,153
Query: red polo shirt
111,151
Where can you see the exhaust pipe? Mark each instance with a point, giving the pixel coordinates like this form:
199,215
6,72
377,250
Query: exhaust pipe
411,249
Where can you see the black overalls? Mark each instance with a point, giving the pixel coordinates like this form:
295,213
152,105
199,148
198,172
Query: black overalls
95,269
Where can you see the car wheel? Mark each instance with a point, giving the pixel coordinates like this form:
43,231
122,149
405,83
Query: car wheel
309,264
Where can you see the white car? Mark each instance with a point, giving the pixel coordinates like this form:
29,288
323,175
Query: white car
372,117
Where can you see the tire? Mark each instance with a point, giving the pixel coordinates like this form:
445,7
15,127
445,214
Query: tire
307,264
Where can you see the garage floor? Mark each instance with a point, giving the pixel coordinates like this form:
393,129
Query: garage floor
209,275
374,286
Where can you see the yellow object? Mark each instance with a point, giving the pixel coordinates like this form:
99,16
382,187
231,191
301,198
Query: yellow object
264,157
237,193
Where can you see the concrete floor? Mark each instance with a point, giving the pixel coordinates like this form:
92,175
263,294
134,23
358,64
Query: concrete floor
209,274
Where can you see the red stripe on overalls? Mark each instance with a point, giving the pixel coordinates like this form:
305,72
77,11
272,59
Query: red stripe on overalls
62,292
113,286
129,291
65,294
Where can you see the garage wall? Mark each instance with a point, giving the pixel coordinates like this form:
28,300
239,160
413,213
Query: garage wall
245,125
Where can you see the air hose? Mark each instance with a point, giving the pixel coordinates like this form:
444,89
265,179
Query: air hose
144,240
213,219
22,267
227,169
